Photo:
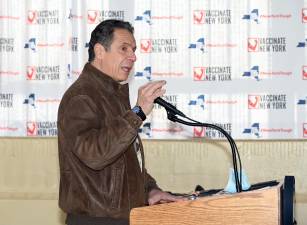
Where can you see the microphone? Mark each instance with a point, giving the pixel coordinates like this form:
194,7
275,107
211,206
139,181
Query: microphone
169,107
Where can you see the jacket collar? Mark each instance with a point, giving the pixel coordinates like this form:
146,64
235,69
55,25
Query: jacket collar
102,79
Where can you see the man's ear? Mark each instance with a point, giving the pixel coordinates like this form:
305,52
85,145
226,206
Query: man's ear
99,51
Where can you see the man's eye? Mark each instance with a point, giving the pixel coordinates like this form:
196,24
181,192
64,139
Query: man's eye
124,48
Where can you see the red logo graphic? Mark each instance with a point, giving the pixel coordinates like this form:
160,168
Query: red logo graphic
304,15
32,16
31,71
253,45
31,129
199,73
304,72
92,16
305,130
199,131
253,101
146,45
199,16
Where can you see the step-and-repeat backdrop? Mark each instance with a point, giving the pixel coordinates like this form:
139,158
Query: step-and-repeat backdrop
239,64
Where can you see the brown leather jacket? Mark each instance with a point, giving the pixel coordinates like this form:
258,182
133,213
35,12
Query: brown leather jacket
100,174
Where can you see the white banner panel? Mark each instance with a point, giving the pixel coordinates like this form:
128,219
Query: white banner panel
240,65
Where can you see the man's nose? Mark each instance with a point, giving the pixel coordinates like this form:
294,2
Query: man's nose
132,56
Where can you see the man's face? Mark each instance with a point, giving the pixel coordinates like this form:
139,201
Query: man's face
118,60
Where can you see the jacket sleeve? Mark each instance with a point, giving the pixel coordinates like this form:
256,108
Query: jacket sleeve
150,182
94,142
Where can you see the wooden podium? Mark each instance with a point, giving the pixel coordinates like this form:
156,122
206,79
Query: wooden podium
257,207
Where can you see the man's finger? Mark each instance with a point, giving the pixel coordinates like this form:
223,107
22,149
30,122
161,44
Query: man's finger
151,87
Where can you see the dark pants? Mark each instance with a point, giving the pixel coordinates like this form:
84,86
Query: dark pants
73,219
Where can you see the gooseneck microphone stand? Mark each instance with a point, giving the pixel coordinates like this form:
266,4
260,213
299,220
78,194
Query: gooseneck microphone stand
171,115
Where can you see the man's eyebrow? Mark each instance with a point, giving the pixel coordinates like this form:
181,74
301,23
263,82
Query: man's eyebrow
131,45
126,43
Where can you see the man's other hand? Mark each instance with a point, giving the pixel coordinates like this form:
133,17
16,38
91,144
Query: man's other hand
157,196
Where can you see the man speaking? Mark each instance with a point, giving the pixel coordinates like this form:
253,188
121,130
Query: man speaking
102,172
